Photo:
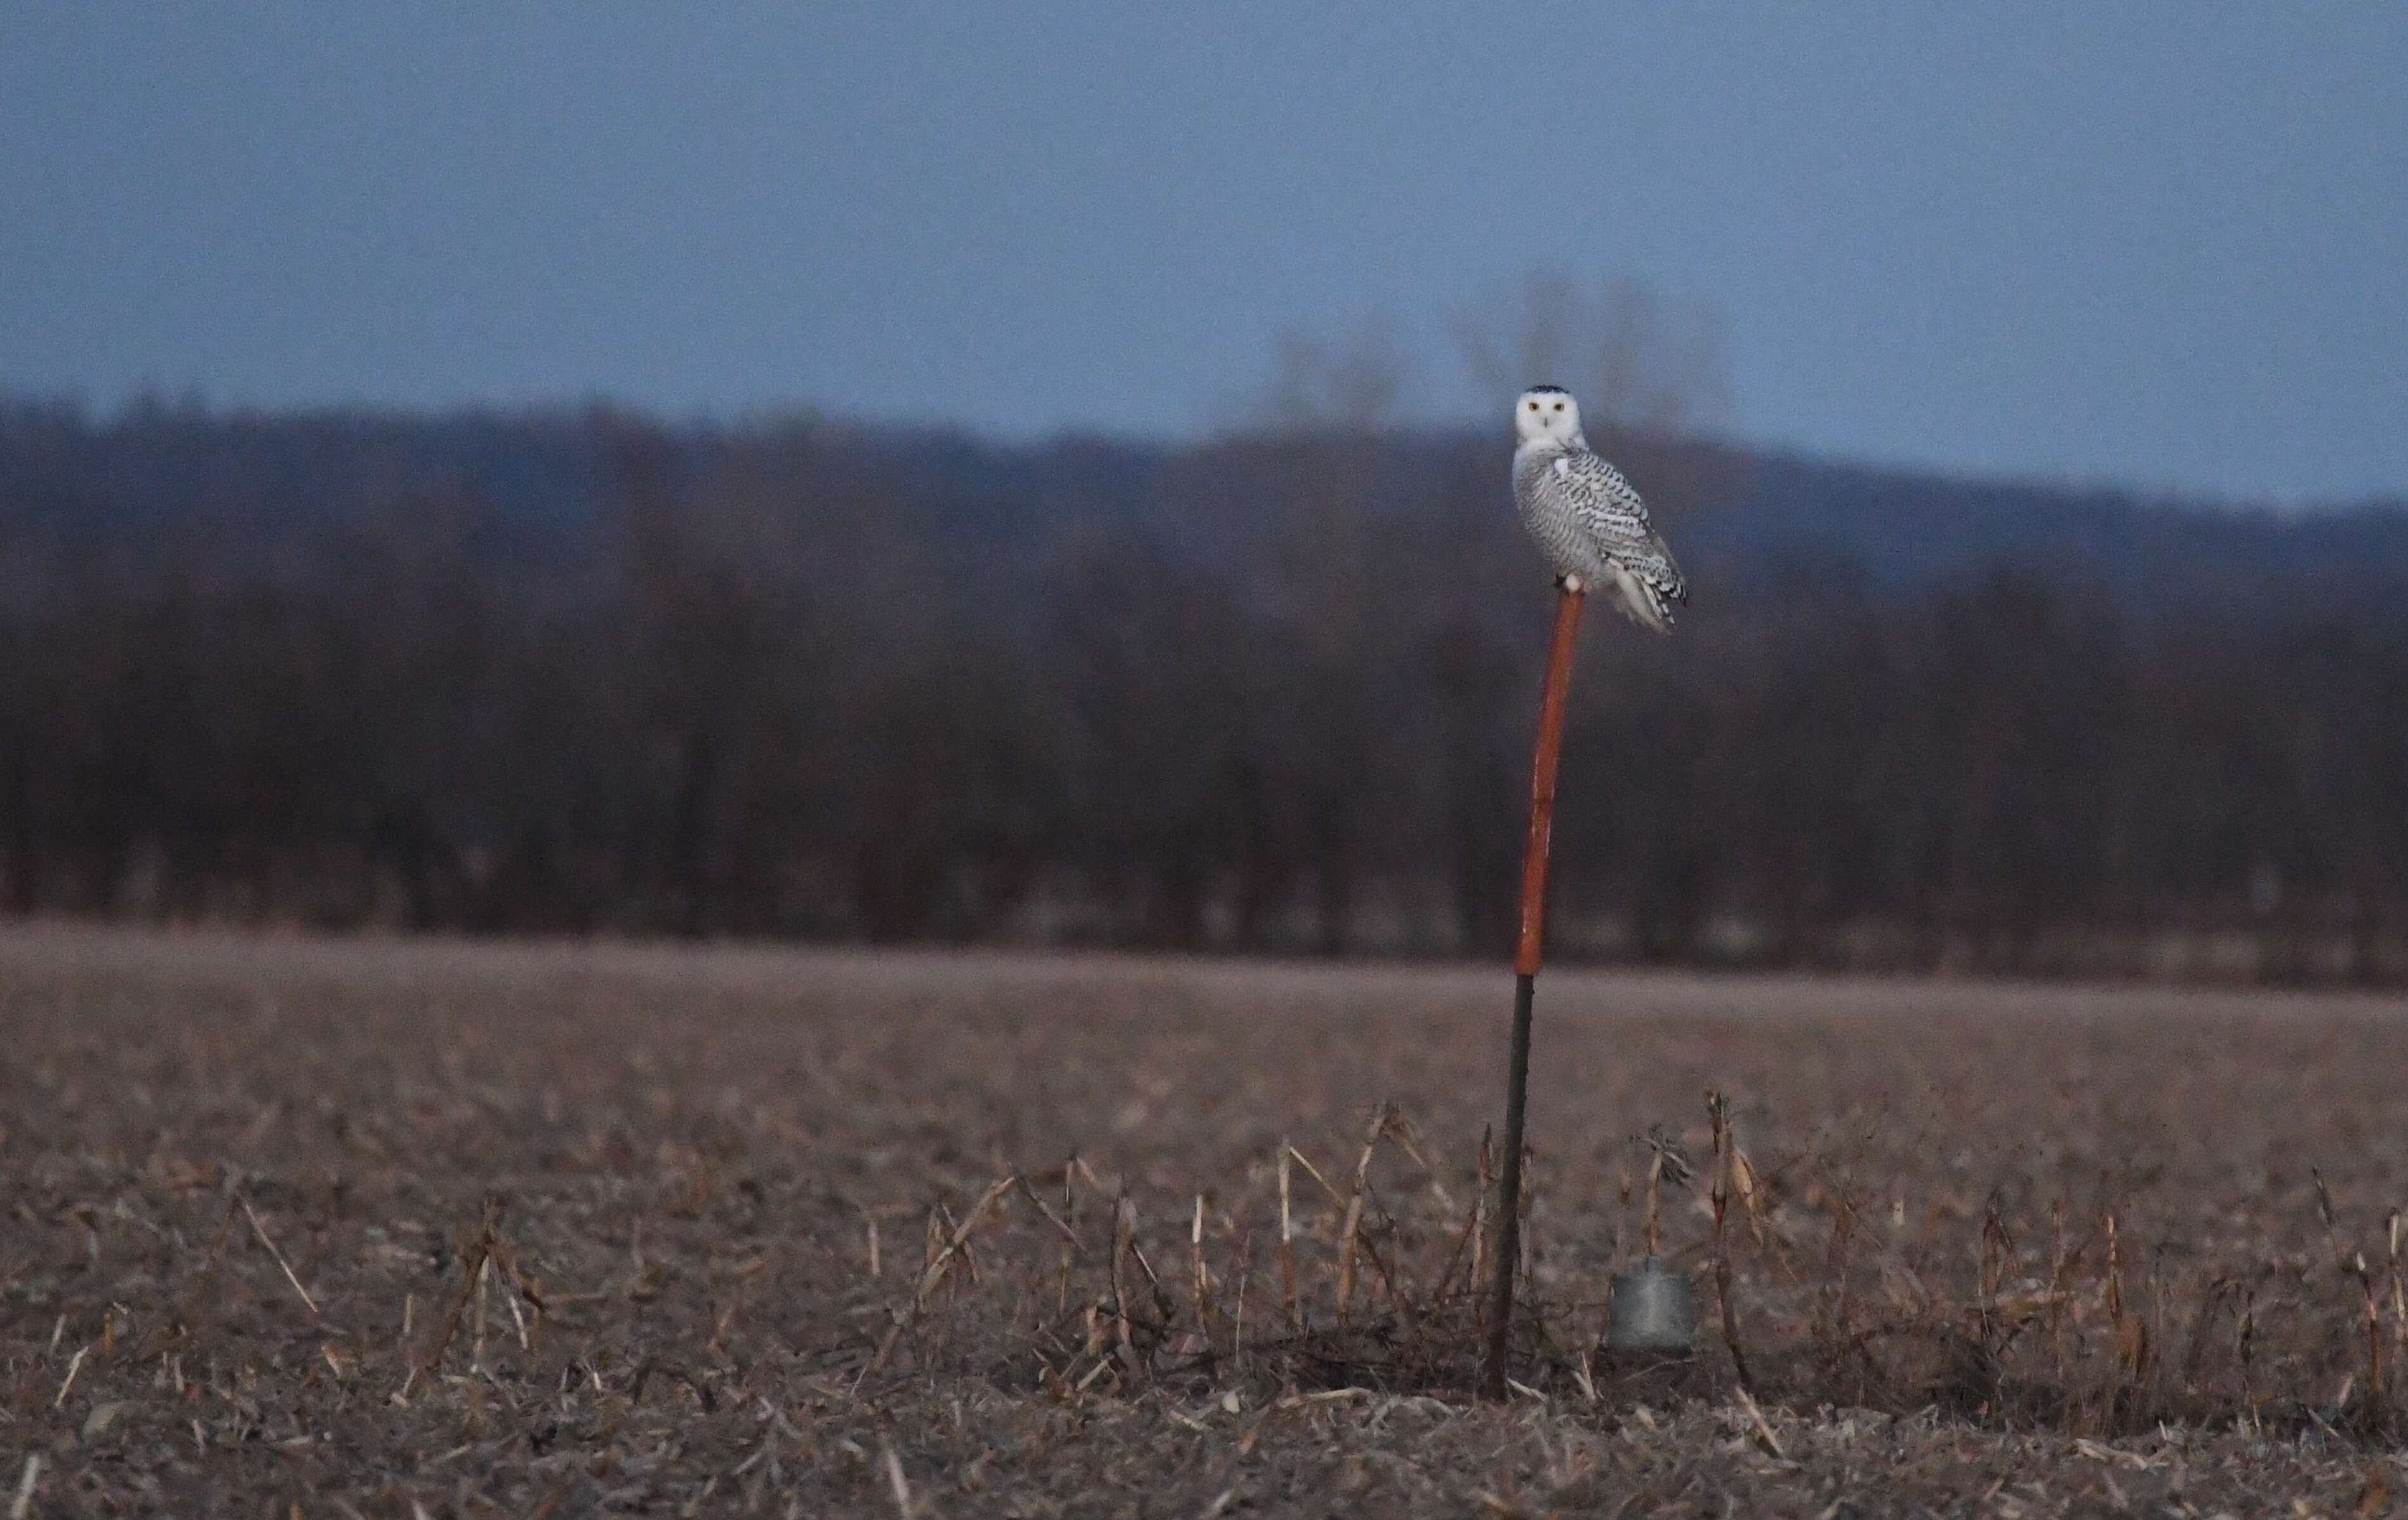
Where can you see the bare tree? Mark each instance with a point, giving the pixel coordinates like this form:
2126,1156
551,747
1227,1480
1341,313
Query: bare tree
1639,360
1352,380
1270,690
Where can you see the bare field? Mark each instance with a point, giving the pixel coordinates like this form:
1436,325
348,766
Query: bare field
384,1228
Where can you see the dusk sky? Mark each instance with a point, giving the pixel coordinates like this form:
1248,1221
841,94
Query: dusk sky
2164,245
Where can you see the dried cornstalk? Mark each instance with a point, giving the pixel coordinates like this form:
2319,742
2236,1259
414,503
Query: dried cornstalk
472,1272
1070,1229
261,1230
2130,1330
2398,1296
1123,1232
1350,1233
1238,1330
1655,1191
1202,1277
940,1267
2058,1295
2374,1369
1468,1239
2354,1264
1480,1205
1719,1117
1409,1140
1287,1243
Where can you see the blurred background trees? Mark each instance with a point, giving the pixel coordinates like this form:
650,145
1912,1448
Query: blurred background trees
587,672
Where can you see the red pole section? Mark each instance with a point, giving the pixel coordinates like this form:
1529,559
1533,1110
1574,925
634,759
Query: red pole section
1543,783
1526,975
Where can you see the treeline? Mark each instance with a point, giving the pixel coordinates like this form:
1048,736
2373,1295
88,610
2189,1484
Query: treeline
1271,692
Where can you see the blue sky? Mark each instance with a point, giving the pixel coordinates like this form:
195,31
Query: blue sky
2162,244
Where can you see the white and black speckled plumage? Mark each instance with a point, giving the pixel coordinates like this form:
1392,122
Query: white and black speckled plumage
1591,526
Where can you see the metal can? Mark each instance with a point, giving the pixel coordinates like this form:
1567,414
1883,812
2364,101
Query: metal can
1653,1311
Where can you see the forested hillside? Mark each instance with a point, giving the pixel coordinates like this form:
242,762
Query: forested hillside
585,671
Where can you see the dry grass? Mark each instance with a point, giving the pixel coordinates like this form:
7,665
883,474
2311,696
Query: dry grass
365,1228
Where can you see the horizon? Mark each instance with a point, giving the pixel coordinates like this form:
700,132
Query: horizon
136,409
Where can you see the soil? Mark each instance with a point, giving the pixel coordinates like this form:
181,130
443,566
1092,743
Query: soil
316,1227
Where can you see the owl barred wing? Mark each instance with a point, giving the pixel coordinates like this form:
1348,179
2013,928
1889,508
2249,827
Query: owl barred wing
1607,508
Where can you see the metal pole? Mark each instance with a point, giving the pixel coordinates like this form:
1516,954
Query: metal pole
1526,975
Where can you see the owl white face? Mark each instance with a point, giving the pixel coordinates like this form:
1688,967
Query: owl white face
1547,414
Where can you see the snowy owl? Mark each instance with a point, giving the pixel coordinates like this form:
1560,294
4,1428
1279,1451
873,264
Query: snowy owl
1591,523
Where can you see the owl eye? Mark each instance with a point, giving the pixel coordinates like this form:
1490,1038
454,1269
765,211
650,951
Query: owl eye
1559,406
1534,406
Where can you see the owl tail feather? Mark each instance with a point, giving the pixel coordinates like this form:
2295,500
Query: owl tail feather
1640,603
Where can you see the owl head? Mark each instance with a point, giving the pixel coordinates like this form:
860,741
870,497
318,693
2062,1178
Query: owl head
1547,414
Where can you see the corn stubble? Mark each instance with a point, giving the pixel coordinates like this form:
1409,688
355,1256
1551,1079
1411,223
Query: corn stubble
359,1229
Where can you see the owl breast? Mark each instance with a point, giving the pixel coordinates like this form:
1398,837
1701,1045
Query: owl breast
1546,512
